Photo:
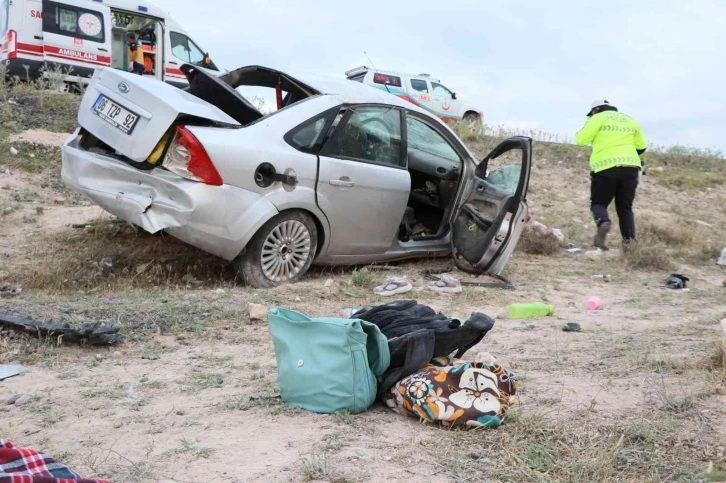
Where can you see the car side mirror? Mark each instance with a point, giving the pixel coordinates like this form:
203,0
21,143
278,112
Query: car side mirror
453,96
207,60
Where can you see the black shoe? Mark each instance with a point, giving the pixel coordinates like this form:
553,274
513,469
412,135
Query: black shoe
602,233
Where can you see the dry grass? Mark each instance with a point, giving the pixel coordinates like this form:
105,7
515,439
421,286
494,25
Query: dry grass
73,262
583,449
538,243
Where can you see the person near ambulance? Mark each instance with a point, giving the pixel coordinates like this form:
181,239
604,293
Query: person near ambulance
136,55
617,143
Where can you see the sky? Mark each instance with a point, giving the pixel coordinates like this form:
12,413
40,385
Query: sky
527,64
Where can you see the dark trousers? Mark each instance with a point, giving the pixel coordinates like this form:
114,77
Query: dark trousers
138,68
619,183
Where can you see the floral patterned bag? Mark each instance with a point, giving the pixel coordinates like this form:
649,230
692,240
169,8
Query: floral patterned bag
455,393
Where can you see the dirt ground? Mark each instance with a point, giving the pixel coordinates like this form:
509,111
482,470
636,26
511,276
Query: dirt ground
190,397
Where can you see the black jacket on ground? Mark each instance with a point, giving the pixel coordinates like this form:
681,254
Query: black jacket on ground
417,334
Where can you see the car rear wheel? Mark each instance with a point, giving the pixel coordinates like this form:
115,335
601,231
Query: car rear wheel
280,252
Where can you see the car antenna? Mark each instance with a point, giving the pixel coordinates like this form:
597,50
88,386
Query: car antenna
374,67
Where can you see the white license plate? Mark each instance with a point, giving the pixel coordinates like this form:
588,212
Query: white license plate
117,116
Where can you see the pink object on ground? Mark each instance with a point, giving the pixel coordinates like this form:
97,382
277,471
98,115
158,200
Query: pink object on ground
593,303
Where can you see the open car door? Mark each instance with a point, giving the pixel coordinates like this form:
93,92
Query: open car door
492,214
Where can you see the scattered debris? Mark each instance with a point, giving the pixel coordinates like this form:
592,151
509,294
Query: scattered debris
59,200
189,280
572,327
722,260
486,358
23,400
7,371
93,333
106,264
603,276
99,358
594,254
594,303
220,291
150,356
258,312
14,151
544,229
347,313
329,283
678,281
8,290
530,310
703,223
575,250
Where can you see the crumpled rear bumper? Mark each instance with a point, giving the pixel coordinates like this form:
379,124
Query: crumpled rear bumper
218,219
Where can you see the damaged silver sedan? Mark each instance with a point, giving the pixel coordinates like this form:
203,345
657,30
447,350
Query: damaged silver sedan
340,174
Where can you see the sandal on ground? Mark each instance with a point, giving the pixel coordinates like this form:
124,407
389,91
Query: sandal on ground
447,284
394,286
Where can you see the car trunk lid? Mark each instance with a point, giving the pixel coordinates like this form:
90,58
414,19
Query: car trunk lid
131,113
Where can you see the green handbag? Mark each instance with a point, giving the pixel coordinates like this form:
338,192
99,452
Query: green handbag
327,364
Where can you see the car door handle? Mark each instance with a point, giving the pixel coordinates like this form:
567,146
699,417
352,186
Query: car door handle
102,49
173,63
343,182
37,37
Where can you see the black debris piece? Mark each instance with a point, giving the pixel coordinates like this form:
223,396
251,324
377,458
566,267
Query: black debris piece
678,281
572,327
88,334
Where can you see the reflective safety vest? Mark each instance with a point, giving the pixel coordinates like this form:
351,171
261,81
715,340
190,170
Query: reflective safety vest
615,137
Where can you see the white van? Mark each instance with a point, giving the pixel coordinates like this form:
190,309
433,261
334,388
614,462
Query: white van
421,90
82,35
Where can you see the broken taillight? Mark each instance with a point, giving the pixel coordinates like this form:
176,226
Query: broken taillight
188,158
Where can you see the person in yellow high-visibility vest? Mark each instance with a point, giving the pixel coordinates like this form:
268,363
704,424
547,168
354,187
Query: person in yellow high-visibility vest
615,165
136,55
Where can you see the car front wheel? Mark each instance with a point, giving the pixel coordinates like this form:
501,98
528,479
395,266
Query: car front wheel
280,252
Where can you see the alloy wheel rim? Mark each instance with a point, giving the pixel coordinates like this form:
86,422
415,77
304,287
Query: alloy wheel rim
285,251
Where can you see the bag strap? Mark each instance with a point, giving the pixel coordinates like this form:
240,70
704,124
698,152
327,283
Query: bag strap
379,356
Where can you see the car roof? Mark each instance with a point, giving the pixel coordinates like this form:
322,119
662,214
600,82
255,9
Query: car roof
356,92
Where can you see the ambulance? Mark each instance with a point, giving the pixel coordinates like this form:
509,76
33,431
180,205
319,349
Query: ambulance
82,35
422,90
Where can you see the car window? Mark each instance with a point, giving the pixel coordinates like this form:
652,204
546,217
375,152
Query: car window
308,136
422,137
419,85
371,134
184,49
4,14
358,78
441,91
69,21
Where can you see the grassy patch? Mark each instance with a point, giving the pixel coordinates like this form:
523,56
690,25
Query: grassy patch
198,381
72,261
189,448
647,254
363,278
540,448
537,243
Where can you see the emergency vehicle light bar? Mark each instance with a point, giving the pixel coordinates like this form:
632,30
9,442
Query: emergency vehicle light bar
358,70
